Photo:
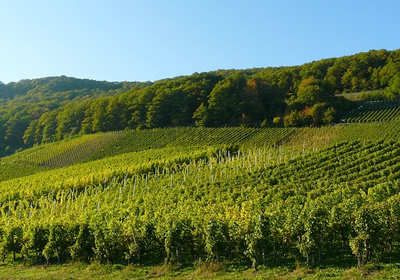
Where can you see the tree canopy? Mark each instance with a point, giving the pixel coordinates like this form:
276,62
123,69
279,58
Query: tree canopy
48,109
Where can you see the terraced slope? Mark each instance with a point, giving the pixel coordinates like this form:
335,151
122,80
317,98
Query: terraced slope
320,137
98,146
133,141
54,155
70,152
375,111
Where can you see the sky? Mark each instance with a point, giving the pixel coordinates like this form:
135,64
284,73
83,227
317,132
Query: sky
148,40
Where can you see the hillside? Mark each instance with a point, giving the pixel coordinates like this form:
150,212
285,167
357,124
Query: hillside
92,147
104,145
52,109
131,180
226,195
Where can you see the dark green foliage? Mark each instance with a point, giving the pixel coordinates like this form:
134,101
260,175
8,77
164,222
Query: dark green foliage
60,238
82,249
49,109
35,239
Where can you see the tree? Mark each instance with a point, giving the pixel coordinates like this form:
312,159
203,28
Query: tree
310,92
99,116
29,135
224,106
394,86
297,119
48,122
166,108
113,115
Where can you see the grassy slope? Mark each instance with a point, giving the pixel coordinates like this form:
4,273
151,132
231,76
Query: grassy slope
96,271
365,95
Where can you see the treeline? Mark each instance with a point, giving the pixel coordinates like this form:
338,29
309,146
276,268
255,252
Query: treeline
27,100
290,96
58,88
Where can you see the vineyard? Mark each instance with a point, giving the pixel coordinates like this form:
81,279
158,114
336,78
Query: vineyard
102,145
53,155
375,111
313,139
261,205
133,141
216,195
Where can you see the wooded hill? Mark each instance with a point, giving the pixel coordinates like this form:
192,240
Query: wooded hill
48,109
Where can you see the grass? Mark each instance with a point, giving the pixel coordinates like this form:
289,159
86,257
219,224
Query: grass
366,95
204,271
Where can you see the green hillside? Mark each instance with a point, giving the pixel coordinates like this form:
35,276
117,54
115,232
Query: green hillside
216,194
180,205
55,108
230,174
102,145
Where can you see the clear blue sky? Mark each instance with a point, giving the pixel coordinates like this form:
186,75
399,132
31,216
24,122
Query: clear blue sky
129,40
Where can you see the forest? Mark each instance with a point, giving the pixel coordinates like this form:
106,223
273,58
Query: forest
54,108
